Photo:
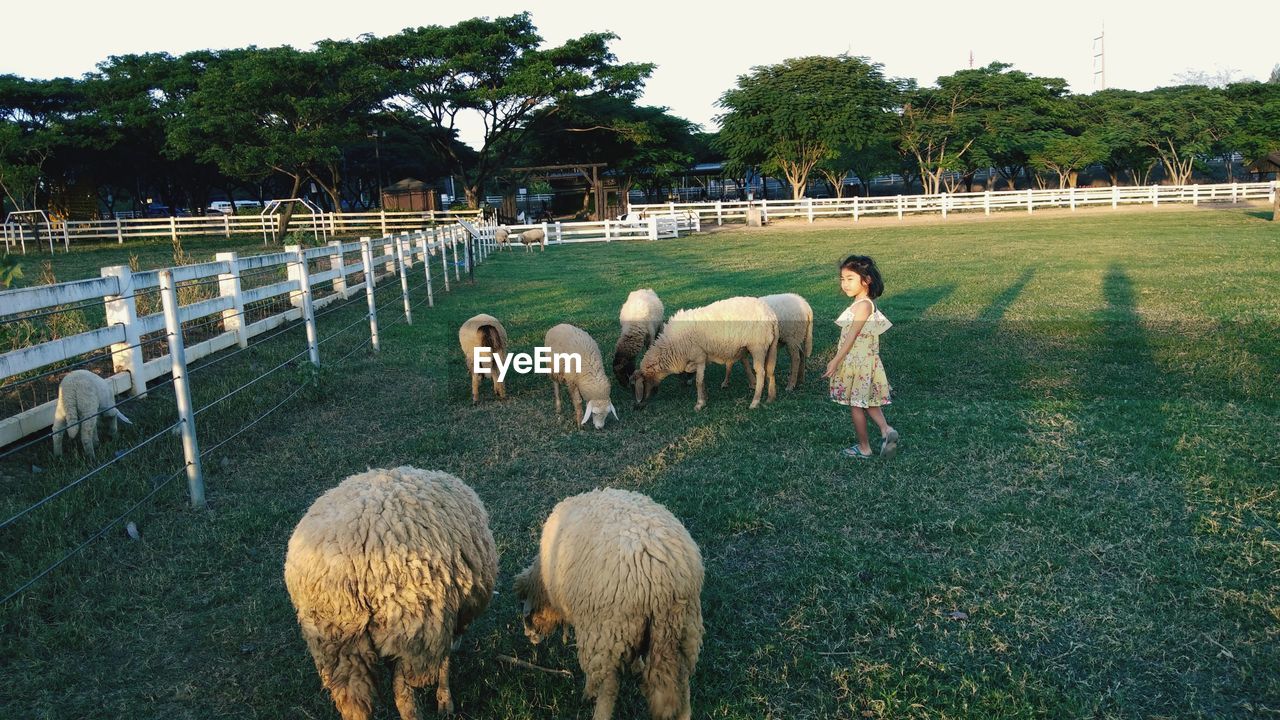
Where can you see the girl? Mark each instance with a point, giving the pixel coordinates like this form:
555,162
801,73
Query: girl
857,375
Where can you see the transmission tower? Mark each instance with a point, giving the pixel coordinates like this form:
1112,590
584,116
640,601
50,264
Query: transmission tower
1100,60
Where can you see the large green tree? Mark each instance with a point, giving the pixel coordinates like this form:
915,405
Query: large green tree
34,115
1257,130
497,73
1182,124
788,118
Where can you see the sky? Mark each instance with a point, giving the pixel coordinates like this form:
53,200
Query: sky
700,47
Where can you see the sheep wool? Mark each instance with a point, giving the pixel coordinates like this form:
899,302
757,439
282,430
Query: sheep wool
590,383
624,573
795,330
641,318
500,236
83,397
483,331
533,237
394,564
722,332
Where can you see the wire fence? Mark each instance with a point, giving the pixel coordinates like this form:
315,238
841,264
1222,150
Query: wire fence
395,292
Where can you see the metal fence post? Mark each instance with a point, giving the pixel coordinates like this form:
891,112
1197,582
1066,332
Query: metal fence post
366,257
301,298
426,264
404,278
453,242
182,388
122,309
444,256
233,319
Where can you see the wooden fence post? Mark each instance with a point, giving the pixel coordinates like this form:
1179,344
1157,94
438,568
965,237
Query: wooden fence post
182,388
809,207
1071,191
1030,195
719,212
366,258
1115,197
336,264
546,235
173,230
226,226
943,199
653,227
986,202
1155,195
382,221
119,233
233,319
122,309
301,298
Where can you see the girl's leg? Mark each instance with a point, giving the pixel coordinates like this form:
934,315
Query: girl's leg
860,426
888,436
877,414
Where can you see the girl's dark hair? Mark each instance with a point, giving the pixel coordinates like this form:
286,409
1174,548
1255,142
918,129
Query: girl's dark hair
866,269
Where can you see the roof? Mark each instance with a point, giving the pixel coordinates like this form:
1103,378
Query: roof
407,185
1270,163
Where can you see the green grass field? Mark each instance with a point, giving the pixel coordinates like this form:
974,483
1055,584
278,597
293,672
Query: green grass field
1083,519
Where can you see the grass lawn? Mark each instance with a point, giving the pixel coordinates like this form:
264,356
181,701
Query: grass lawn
1083,519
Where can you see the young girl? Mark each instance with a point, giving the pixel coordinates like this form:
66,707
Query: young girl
857,375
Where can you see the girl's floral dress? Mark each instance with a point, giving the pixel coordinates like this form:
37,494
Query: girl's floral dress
860,380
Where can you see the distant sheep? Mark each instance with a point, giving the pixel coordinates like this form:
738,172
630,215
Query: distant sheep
390,564
484,331
500,237
722,332
83,398
589,383
532,237
624,573
641,319
795,330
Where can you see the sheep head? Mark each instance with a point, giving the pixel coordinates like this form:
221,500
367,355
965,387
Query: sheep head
540,618
597,412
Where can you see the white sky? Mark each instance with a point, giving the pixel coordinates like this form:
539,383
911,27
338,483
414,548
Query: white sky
700,47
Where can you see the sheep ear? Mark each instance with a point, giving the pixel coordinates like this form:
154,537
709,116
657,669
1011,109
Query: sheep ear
614,410
526,608
586,412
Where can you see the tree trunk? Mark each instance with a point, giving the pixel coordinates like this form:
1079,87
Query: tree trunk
472,193
287,215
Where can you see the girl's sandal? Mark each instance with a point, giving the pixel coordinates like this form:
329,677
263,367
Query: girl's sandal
855,452
889,446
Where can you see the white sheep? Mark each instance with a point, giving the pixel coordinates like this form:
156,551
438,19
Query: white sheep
83,397
624,573
641,319
534,236
394,564
500,237
487,332
587,382
795,330
722,332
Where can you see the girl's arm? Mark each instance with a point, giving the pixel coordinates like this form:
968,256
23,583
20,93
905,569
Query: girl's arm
861,312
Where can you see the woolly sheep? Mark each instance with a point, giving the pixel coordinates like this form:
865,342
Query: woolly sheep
83,397
641,318
484,331
590,383
533,237
722,332
623,572
500,236
391,563
795,330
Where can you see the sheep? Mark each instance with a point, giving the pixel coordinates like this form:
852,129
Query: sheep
391,563
487,332
534,236
722,332
82,397
624,573
641,318
587,382
500,237
795,330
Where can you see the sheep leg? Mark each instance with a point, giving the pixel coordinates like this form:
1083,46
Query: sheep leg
89,436
757,359
556,386
59,425
576,397
702,388
444,700
475,388
746,367
346,670
403,689
797,367
770,364
728,370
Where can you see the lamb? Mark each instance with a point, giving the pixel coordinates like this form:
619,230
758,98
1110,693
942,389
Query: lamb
500,237
587,382
624,573
82,397
722,332
641,318
795,330
487,332
534,236
391,563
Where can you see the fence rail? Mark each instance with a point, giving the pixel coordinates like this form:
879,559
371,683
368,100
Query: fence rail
946,203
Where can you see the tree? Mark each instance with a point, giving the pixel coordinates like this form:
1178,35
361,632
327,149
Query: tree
1107,114
1066,155
1257,130
33,118
937,130
1181,123
788,118
494,70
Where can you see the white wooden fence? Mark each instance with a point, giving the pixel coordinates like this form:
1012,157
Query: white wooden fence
654,227
320,225
314,278
985,202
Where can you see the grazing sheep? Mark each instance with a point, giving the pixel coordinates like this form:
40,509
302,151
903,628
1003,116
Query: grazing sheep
391,563
533,237
484,331
795,330
83,397
500,237
641,318
623,572
722,332
588,382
